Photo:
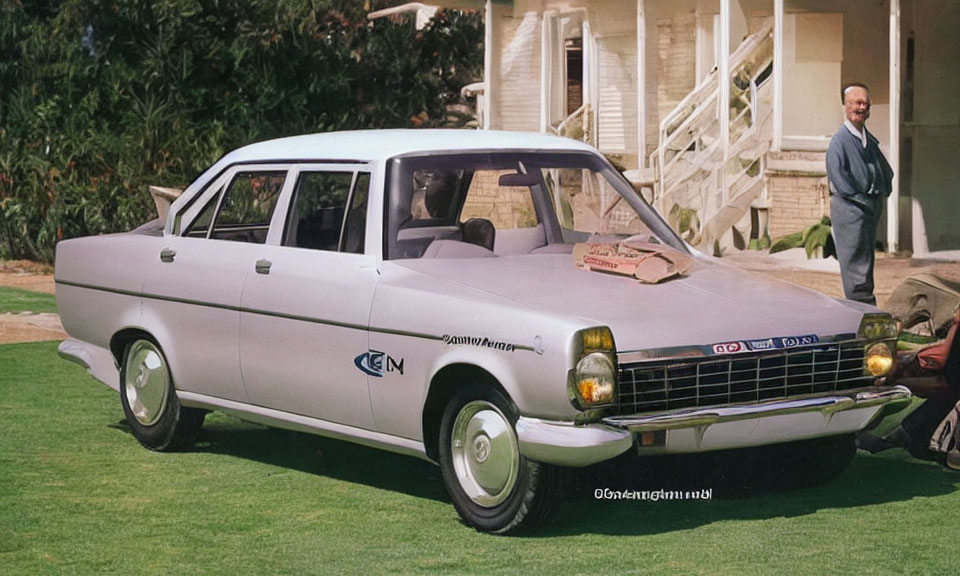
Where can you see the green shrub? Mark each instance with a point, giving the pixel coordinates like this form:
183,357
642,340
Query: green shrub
102,98
815,239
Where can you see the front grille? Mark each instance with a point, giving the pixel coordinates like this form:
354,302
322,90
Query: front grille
749,378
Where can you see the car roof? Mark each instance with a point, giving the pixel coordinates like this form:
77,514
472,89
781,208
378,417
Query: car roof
377,145
372,145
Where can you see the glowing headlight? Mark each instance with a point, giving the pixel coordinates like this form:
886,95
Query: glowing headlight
878,360
596,379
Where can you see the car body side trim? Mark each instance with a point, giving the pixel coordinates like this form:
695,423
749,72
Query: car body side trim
300,423
298,318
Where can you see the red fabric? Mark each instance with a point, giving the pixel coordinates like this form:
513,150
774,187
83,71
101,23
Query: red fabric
934,357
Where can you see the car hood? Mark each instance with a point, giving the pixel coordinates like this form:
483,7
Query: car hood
714,303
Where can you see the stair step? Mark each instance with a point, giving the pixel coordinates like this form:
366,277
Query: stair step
796,167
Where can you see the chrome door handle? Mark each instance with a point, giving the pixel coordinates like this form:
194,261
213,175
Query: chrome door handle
263,266
167,254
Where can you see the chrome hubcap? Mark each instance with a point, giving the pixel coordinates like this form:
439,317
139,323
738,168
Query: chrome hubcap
485,454
146,382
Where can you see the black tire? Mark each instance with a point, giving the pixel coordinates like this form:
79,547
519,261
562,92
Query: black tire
810,463
150,403
493,487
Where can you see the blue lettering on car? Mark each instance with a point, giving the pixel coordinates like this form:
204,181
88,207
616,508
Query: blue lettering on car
372,363
798,341
765,344
762,344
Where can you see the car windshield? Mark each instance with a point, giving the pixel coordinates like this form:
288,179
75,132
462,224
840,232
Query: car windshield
510,204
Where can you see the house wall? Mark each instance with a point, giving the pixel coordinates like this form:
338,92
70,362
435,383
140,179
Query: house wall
738,18
617,93
828,43
935,126
799,197
517,97
812,59
676,65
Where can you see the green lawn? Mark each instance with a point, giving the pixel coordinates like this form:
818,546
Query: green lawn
15,300
79,495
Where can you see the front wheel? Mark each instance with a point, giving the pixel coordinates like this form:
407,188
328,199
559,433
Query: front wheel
493,487
150,403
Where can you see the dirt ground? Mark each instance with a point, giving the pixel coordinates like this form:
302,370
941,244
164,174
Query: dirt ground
27,327
27,275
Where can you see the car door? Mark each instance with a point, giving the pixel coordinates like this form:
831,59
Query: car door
306,301
192,290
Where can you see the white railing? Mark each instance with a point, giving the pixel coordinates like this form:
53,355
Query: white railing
581,114
689,135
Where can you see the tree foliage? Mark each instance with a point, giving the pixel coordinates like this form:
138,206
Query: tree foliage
101,98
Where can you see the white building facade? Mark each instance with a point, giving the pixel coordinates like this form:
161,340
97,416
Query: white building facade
722,109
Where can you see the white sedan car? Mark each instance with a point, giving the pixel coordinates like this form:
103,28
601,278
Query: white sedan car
417,291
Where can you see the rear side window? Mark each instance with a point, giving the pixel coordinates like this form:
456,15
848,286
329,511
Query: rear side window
246,209
201,224
328,212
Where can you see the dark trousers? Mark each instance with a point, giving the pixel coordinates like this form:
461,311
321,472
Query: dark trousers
921,423
854,227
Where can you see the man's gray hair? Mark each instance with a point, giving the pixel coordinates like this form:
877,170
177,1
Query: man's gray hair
843,91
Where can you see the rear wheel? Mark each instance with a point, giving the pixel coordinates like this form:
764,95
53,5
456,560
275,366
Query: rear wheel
150,403
493,487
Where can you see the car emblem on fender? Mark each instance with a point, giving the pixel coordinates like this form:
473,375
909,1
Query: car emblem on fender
372,363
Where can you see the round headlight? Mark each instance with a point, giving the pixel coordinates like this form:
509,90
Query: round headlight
596,379
879,360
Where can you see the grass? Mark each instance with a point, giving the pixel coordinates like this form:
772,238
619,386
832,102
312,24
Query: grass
79,495
16,300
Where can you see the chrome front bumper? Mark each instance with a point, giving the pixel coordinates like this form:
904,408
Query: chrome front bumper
707,429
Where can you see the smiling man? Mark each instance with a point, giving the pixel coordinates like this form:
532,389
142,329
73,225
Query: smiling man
860,180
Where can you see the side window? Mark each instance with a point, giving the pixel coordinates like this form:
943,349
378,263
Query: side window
201,224
356,227
507,207
317,212
246,209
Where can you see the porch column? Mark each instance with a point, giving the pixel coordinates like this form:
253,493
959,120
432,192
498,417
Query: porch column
723,80
546,67
723,73
590,78
893,202
641,86
487,64
777,75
